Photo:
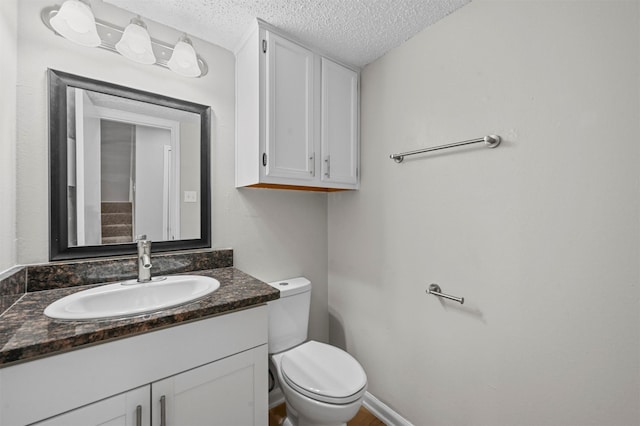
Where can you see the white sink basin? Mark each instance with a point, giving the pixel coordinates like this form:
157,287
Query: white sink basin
131,298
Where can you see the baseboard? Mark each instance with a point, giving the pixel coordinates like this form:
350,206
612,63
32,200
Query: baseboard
383,412
376,407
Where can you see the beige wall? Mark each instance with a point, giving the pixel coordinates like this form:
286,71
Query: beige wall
274,234
8,47
540,235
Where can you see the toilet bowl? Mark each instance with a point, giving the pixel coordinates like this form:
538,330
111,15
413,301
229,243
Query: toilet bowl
321,384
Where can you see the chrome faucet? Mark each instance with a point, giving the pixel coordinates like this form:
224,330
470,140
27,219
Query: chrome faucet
144,259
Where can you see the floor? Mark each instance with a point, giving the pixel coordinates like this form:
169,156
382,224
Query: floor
363,418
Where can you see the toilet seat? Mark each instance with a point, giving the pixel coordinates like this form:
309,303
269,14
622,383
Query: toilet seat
324,373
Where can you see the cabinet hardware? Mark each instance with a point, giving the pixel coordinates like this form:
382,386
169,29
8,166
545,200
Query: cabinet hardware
139,415
264,46
327,161
312,169
163,411
264,159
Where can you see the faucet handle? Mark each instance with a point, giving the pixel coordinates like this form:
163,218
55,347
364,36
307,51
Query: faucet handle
141,237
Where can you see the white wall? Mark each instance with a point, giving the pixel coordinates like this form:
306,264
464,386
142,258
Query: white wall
274,234
8,47
540,235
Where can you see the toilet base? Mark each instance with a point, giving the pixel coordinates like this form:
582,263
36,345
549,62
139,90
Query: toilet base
318,415
287,422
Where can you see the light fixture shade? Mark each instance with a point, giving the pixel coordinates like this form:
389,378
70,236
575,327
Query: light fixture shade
184,60
75,22
135,43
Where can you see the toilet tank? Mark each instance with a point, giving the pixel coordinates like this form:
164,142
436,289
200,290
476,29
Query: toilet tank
289,315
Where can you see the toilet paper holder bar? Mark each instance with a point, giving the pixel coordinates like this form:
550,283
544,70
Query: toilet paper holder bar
437,291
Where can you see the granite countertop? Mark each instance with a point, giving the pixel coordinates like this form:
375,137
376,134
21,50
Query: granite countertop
26,333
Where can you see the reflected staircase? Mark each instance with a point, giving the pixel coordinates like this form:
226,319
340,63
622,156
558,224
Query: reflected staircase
117,222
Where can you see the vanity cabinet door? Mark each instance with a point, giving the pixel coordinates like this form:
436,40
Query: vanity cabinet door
290,84
126,409
232,391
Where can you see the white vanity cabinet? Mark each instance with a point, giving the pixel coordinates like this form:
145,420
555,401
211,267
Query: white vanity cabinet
220,393
297,116
208,372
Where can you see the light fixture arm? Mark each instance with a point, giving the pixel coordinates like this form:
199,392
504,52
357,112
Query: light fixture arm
138,21
110,34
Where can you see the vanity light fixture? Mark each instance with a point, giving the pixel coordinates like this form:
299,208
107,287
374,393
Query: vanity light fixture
135,44
75,21
184,60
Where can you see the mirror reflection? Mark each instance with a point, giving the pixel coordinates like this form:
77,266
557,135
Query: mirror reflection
133,169
123,163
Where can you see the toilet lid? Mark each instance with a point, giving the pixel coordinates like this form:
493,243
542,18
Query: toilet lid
324,373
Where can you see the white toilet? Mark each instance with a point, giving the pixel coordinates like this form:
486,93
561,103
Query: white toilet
322,384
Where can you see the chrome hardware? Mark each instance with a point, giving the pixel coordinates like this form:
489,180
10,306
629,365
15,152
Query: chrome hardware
437,291
264,46
492,141
163,411
312,159
264,159
139,415
144,259
327,161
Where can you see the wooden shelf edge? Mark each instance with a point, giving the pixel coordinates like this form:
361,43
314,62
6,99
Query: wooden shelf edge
295,187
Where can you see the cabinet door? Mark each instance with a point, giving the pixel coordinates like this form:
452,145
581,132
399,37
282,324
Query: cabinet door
289,110
126,409
232,391
339,124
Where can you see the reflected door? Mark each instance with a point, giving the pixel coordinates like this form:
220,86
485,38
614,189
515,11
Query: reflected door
154,183
87,171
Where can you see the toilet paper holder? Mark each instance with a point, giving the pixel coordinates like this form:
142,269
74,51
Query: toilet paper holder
437,291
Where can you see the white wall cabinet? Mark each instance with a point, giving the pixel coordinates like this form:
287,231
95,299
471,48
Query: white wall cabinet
339,125
297,116
290,113
208,372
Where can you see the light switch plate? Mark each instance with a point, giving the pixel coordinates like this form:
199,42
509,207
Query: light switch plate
190,196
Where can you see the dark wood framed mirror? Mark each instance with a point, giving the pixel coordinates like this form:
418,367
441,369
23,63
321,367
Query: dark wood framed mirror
125,162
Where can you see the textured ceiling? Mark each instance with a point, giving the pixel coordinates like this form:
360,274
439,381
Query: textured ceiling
356,32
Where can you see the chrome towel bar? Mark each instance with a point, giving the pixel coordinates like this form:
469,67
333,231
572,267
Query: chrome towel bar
491,140
437,291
